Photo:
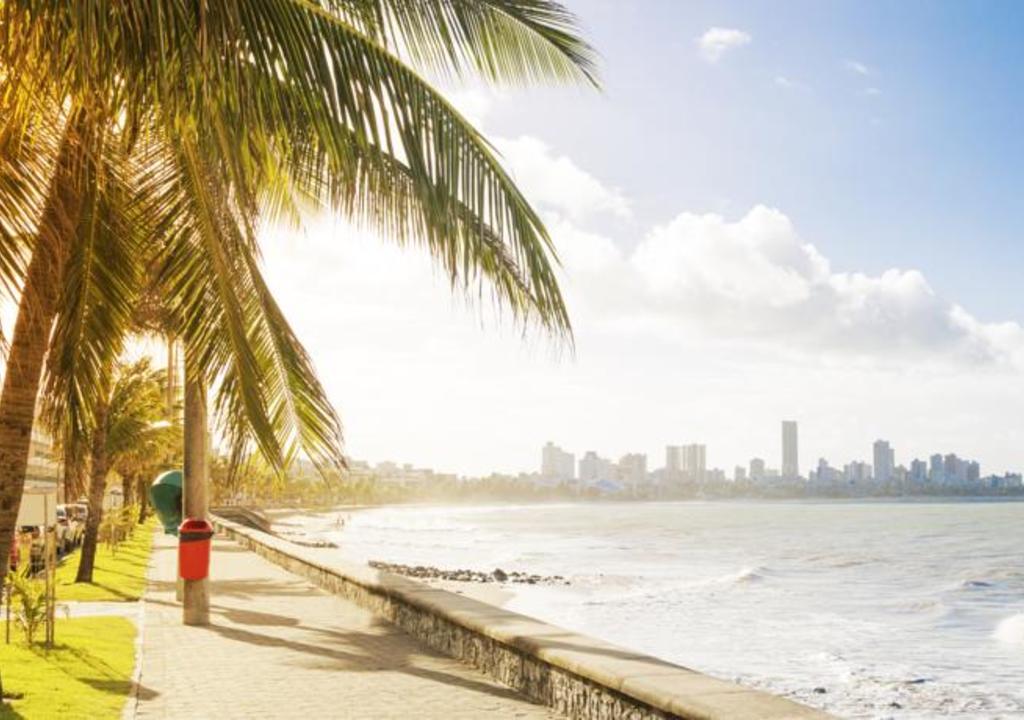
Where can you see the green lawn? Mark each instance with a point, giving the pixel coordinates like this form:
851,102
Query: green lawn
117,576
86,675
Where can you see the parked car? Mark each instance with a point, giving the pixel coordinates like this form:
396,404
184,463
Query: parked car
15,559
79,511
65,531
74,522
37,549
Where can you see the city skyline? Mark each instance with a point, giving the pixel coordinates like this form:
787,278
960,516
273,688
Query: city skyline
688,463
690,460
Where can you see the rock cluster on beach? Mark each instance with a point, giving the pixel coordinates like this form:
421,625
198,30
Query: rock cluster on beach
316,543
426,572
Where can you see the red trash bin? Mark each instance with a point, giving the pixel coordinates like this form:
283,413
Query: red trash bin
194,549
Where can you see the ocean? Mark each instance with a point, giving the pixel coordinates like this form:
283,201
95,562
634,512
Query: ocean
866,609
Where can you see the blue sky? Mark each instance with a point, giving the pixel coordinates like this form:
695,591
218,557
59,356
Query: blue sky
918,163
810,215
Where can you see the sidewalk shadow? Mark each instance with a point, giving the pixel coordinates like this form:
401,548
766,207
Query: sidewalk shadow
244,589
388,650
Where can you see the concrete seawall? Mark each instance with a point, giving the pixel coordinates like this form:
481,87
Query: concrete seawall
575,675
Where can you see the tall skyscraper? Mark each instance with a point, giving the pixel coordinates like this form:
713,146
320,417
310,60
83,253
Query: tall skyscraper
885,461
790,452
918,471
673,461
694,465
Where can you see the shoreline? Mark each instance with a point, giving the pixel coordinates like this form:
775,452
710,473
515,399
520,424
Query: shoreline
283,512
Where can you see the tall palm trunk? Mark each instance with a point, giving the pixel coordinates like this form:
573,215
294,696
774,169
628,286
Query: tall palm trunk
97,486
143,491
36,311
196,593
127,489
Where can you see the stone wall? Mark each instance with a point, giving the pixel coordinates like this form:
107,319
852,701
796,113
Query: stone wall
577,676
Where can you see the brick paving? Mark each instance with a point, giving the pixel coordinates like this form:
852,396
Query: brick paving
277,647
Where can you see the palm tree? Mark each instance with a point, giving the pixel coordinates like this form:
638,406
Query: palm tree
129,418
179,127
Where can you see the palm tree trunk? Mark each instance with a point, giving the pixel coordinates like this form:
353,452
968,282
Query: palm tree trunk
196,595
127,489
97,486
36,311
143,490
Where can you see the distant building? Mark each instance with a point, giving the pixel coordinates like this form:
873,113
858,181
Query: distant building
739,474
694,465
633,470
556,463
885,461
757,473
918,471
936,471
825,474
790,454
593,469
1009,481
673,462
714,476
857,473
954,469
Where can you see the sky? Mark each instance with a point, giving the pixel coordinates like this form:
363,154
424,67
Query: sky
769,212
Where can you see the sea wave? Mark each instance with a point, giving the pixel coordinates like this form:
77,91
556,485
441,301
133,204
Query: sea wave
1011,630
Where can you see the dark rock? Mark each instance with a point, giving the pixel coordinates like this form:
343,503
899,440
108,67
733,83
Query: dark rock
463,575
820,690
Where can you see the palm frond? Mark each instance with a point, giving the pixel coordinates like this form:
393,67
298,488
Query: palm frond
511,41
324,99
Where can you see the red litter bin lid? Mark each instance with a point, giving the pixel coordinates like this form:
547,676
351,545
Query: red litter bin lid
194,529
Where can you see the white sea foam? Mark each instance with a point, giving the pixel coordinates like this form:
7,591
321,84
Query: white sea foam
1011,630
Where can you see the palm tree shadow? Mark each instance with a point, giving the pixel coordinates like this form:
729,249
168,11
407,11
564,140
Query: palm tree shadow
384,649
9,713
120,687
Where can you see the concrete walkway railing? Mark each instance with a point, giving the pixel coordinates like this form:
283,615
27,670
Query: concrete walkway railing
575,675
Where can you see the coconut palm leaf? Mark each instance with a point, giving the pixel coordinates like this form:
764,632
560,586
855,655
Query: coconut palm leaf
517,41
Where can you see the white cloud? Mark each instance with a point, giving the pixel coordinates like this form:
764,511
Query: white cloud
872,91
717,41
787,83
555,182
754,279
474,102
856,67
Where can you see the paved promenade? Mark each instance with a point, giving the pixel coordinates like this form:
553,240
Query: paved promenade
279,648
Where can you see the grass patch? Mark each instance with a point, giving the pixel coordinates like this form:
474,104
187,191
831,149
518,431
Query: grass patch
87,674
116,576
